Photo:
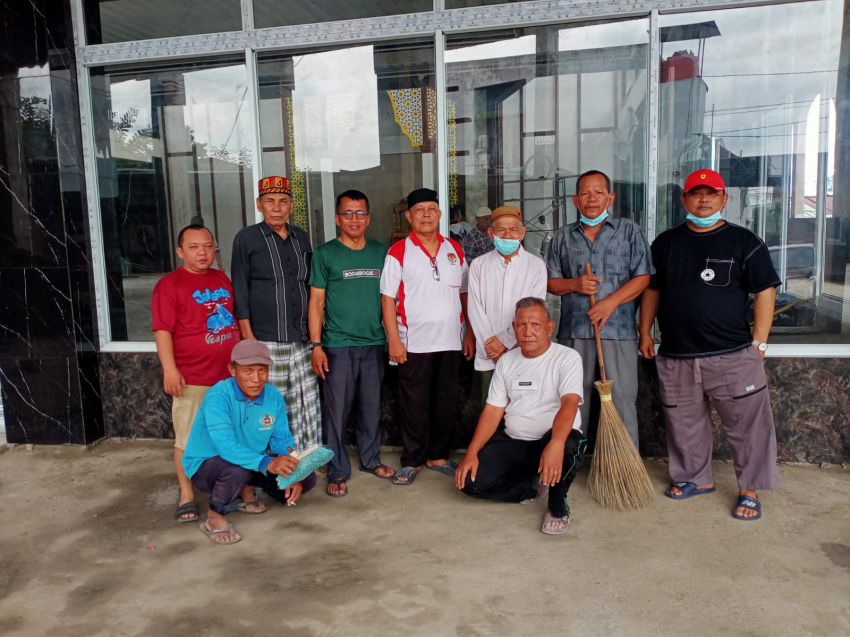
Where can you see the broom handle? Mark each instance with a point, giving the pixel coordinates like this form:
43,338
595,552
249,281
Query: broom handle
599,357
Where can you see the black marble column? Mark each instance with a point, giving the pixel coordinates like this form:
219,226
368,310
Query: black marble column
48,359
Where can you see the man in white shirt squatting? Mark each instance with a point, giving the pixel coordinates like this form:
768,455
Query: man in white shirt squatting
497,281
538,389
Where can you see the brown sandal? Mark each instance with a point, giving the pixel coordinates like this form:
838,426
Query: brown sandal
341,488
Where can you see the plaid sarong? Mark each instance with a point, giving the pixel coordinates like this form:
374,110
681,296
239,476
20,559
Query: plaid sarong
293,375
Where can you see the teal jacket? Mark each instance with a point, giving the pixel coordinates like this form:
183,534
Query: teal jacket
248,433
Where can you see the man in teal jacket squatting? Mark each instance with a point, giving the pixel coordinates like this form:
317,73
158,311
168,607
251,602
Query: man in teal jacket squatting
241,440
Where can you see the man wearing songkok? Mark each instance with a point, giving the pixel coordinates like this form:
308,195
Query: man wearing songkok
194,330
497,280
241,440
537,388
706,270
271,270
423,298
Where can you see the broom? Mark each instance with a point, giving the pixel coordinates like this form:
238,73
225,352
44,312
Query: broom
618,478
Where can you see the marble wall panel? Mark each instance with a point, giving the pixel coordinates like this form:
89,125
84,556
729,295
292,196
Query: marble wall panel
809,397
40,402
134,404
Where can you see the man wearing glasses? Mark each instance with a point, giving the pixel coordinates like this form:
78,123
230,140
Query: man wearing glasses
618,253
270,269
348,339
423,298
497,280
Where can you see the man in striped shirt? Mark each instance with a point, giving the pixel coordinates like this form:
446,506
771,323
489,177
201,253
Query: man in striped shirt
270,273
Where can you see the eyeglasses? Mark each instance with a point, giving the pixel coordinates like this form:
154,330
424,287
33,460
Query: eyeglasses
348,215
436,272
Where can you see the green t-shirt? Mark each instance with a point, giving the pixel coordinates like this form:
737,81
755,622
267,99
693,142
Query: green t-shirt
351,280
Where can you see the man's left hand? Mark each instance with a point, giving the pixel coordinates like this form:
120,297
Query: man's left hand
601,312
494,348
469,345
292,494
282,465
551,463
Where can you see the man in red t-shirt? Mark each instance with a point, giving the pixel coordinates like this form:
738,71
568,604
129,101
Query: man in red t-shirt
195,331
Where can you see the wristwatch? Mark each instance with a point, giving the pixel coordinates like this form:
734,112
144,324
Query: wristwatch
760,345
314,345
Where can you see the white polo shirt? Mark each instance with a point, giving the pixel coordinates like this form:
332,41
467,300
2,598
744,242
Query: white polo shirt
530,389
430,317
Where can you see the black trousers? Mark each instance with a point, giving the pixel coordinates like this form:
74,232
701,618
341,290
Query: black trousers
507,470
429,405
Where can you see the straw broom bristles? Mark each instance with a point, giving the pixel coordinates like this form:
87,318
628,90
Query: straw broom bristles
618,478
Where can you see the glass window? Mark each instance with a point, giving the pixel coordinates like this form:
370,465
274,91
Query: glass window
531,109
361,117
273,13
752,93
172,144
123,20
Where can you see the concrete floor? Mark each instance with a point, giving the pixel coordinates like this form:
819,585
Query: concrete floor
88,547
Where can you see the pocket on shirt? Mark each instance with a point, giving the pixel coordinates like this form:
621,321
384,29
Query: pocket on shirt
452,275
717,273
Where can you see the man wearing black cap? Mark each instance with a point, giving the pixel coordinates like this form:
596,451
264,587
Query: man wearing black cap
423,300
706,270
240,440
270,271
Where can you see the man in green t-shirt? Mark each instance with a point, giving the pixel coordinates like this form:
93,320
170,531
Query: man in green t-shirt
344,321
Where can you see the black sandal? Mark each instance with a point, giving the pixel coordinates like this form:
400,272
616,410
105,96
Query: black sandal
189,508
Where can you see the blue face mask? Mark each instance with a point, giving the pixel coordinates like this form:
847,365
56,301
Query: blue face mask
505,247
704,222
593,222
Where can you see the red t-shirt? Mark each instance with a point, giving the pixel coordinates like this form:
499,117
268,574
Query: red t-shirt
198,311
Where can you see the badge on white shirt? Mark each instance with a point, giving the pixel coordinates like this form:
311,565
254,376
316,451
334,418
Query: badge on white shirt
526,385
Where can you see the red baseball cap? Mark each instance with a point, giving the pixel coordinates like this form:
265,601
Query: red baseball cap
704,177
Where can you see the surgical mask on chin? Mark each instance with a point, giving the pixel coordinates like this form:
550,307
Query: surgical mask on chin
505,247
593,222
704,222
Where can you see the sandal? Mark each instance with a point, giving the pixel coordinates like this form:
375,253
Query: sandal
749,503
341,488
186,512
254,507
405,476
554,525
217,535
380,467
688,489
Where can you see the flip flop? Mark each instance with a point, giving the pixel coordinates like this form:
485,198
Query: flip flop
374,470
342,488
242,507
548,518
746,502
405,476
448,468
212,534
688,489
189,508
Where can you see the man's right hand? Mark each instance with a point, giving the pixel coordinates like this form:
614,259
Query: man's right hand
494,348
646,346
319,361
587,284
282,465
397,352
173,382
469,465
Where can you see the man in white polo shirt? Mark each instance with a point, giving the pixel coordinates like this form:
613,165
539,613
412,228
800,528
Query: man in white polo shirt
423,299
538,389
497,280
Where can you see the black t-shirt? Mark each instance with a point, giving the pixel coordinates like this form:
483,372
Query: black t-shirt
705,280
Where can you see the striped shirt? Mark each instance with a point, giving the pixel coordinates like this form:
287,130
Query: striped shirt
270,278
